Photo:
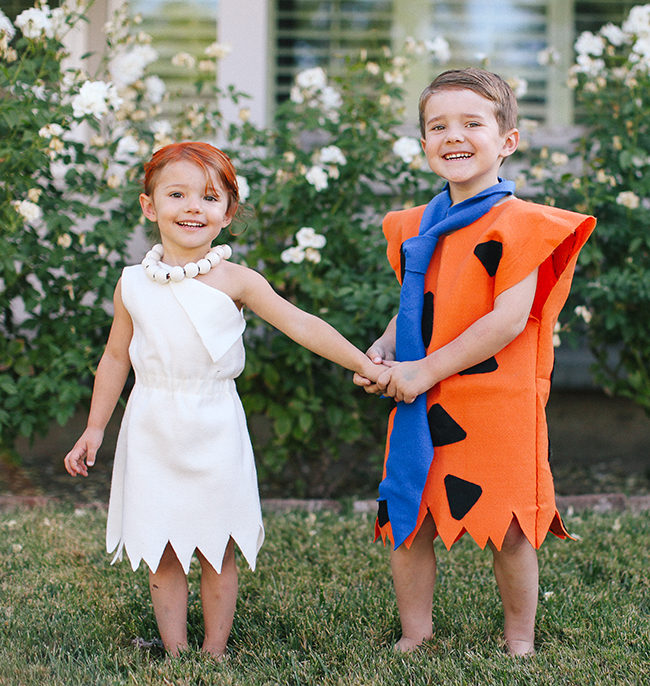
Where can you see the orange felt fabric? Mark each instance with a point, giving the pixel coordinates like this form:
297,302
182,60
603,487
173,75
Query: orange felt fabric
499,469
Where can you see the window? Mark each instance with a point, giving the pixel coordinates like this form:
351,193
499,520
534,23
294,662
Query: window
177,26
311,33
478,35
590,16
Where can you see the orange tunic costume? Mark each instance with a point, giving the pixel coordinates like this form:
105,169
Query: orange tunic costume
488,423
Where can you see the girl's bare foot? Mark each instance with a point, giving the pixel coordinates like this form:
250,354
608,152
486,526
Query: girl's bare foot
407,645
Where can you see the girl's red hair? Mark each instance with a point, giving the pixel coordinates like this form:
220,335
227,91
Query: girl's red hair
206,156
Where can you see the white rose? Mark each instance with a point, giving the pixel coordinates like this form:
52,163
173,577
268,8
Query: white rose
155,88
638,20
218,50
29,211
439,48
317,177
519,86
407,148
35,23
373,68
584,313
128,66
588,44
64,240
6,26
615,35
330,98
312,255
244,188
308,238
95,98
294,254
184,59
312,79
126,148
559,159
332,154
51,130
628,199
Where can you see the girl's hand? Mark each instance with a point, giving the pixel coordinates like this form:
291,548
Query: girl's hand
84,452
405,381
378,355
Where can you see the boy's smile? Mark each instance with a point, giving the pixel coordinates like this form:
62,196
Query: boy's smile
189,211
462,141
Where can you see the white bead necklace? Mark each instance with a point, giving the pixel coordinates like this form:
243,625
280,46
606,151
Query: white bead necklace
158,271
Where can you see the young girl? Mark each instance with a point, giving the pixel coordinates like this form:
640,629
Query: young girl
184,475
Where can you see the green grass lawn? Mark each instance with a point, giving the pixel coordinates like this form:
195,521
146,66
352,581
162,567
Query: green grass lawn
320,609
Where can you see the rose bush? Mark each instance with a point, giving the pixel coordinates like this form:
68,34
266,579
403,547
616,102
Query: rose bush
607,174
71,148
318,185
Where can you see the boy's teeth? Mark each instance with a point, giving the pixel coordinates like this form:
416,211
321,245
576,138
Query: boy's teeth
458,156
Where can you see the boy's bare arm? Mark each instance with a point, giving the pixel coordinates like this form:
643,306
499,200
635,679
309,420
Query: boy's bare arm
483,339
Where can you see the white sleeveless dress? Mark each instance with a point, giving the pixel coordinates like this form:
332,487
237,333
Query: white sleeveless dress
184,470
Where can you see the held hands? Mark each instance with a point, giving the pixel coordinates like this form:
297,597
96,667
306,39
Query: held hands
84,452
403,381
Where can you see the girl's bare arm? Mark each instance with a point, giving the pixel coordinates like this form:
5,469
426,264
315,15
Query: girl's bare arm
111,376
309,331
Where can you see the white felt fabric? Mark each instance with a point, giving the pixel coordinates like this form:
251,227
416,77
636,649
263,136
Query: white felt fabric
184,470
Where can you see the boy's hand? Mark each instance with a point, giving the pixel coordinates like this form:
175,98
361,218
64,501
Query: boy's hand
381,357
84,452
405,381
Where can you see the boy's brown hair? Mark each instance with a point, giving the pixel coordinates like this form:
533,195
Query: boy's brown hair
485,83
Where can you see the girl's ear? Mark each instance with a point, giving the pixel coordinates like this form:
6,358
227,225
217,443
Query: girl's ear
147,207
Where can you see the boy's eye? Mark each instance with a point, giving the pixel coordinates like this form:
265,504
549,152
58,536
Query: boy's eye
438,127
473,123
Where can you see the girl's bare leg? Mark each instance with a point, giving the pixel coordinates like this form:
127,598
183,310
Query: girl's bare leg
168,586
414,577
219,599
517,575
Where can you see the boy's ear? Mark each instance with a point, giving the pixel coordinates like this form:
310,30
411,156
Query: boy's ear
147,207
511,143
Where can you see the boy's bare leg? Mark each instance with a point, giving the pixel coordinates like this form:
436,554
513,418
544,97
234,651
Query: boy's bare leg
168,588
414,576
219,599
517,575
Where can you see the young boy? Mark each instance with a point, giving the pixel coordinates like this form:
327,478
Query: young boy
467,446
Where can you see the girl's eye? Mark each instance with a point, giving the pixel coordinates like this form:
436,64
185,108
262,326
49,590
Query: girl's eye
211,198
176,194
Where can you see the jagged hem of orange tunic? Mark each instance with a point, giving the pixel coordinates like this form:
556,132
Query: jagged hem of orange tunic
488,423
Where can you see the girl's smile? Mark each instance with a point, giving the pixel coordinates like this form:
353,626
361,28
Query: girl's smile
190,209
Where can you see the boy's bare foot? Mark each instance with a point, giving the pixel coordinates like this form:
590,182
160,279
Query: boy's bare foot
217,654
407,645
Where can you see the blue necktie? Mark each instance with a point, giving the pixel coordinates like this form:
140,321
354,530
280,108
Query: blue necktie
411,450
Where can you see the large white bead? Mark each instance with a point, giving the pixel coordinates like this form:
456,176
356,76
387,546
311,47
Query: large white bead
149,262
226,251
177,274
158,250
213,258
204,266
191,269
162,275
